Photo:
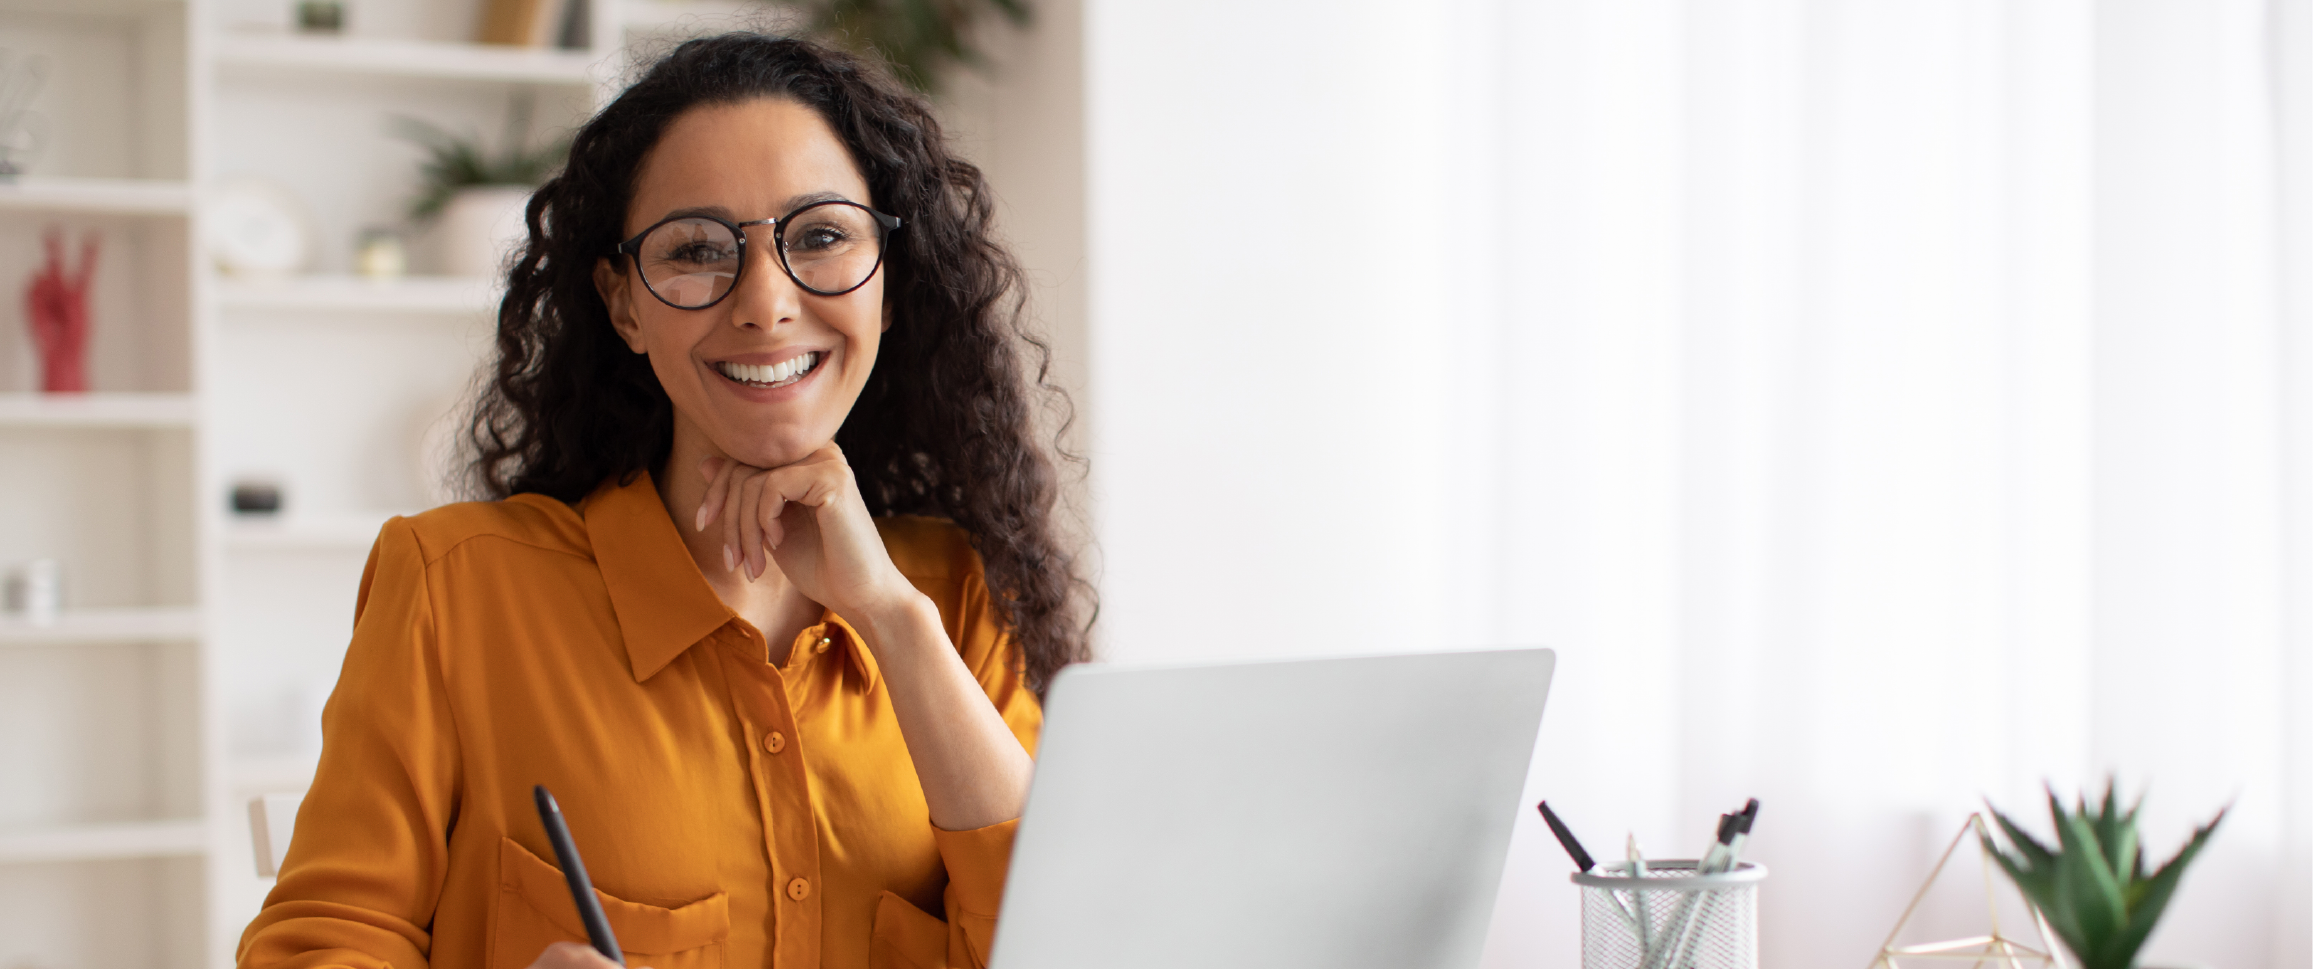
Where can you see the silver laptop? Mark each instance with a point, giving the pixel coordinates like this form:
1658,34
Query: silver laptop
1338,813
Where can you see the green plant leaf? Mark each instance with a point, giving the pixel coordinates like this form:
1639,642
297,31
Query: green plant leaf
2090,886
2033,851
2116,833
2033,868
920,39
2152,895
456,161
2087,890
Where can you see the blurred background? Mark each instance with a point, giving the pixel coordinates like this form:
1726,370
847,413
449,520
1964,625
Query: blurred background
1882,407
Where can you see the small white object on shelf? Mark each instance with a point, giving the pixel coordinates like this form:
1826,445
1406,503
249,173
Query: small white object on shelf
96,410
256,228
117,196
80,842
405,58
407,294
133,625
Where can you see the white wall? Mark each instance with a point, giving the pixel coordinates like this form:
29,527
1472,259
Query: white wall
1270,380
1892,397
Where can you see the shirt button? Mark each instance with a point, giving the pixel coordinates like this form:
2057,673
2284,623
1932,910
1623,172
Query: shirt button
799,889
822,645
775,741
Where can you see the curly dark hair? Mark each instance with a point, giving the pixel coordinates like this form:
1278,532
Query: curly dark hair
945,424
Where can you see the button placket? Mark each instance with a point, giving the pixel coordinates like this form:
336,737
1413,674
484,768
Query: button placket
791,830
782,795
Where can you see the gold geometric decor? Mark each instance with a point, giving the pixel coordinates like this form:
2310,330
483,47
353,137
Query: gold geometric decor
1993,950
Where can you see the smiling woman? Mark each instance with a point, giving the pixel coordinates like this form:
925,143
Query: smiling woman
770,584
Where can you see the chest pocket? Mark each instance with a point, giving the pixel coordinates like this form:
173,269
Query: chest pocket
534,911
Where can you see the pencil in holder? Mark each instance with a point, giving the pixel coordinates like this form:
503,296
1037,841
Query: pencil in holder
1672,918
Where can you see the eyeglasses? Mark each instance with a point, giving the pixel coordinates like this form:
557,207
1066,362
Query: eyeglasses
691,262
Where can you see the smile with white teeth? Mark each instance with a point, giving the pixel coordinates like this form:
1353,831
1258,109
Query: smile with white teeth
778,374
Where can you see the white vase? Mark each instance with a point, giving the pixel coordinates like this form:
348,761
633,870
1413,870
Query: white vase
480,227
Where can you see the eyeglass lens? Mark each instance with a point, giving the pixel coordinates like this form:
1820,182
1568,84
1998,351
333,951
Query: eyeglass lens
829,248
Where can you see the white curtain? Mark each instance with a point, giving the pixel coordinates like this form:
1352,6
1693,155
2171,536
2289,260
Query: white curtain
1881,406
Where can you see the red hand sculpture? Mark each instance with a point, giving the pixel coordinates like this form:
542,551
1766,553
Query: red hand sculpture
56,307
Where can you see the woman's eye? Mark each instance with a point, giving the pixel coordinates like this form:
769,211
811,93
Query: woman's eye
698,252
818,238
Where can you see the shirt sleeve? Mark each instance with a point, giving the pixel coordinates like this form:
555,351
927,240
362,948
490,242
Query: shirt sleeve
367,863
977,860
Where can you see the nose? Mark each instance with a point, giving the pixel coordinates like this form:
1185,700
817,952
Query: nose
765,296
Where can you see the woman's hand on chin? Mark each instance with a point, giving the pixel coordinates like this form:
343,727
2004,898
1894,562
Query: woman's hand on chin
809,518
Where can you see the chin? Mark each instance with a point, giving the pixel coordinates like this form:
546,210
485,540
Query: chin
776,453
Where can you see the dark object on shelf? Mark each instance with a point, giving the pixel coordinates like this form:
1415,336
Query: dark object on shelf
256,498
56,310
920,41
321,16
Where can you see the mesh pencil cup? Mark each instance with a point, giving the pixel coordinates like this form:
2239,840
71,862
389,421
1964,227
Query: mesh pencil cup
1690,921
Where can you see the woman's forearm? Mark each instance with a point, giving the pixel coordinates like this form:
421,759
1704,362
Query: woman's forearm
973,770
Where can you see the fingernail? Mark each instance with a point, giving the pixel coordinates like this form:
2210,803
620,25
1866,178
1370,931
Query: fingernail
730,559
700,524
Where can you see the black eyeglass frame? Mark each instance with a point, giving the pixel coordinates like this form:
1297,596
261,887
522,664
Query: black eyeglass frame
885,226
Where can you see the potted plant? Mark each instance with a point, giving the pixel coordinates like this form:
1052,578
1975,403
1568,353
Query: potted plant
920,40
2092,888
475,197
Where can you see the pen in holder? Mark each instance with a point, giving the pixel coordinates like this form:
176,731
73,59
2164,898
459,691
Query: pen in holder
1671,918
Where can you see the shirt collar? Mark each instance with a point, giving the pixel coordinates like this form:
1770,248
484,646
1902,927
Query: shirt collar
862,660
664,606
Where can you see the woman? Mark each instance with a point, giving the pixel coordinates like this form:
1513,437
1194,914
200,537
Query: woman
758,418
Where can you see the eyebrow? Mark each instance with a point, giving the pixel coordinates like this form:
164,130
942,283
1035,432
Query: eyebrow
721,212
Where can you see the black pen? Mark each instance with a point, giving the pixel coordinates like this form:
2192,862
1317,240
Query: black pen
1573,848
581,890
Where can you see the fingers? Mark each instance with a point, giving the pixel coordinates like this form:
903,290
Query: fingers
750,525
767,512
810,485
733,507
571,955
718,472
747,503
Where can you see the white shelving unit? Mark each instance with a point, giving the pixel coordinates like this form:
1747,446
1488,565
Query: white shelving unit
118,410
120,196
185,673
97,842
335,533
304,56
326,293
143,624
105,819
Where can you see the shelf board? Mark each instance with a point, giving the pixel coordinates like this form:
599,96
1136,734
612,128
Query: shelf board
659,16
272,773
405,58
96,410
294,533
105,626
120,196
465,295
81,842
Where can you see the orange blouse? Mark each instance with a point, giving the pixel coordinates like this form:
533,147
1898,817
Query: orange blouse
732,813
